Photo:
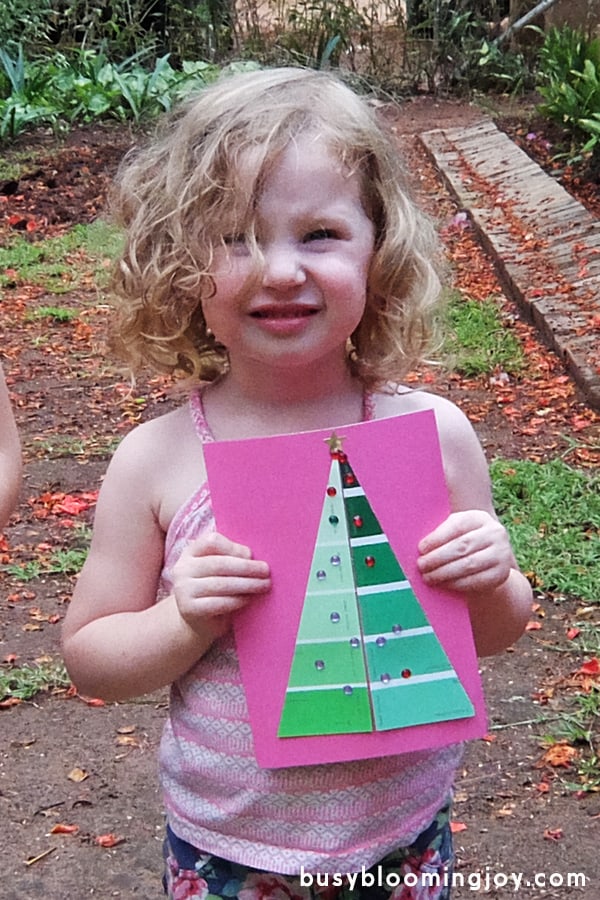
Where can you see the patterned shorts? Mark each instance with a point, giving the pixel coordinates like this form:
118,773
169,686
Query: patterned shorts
422,871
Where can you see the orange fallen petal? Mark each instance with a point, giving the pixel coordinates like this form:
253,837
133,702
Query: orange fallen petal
108,840
61,828
591,667
559,755
91,701
10,701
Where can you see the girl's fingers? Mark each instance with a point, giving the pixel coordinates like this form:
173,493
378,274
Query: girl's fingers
225,567
216,544
457,526
215,577
454,569
222,586
216,557
460,536
470,551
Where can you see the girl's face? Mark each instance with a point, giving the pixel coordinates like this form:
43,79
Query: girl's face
309,295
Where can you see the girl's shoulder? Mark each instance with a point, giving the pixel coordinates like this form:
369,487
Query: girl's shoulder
459,442
158,436
397,400
153,451
160,460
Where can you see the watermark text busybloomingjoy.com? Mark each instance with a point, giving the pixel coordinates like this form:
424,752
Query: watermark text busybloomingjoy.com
483,881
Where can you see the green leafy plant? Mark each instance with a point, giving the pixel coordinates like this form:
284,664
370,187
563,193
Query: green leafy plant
462,56
14,69
569,83
25,571
125,26
497,69
149,93
121,27
552,513
477,341
26,103
85,85
67,562
62,561
25,682
26,21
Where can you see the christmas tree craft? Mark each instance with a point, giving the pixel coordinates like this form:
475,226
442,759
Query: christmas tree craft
366,657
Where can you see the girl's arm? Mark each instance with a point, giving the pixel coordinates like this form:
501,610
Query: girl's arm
10,456
470,552
118,642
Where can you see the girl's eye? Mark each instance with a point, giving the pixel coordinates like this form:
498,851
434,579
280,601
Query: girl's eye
320,234
237,244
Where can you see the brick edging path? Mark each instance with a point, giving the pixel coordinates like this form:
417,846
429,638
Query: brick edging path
545,245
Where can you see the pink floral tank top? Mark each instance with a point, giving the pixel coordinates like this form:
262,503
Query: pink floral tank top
326,818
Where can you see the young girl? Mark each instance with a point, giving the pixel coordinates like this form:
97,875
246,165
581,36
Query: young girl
272,254
10,456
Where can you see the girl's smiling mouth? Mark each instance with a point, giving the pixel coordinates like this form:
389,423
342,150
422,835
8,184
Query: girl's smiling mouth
284,312
284,319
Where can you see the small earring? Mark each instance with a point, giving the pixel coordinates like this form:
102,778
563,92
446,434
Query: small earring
209,333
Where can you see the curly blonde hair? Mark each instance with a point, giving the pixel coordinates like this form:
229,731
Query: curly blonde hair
175,197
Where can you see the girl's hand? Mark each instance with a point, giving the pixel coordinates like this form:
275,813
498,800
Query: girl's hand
213,578
470,552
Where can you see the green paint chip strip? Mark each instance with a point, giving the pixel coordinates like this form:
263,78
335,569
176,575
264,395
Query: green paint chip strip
366,657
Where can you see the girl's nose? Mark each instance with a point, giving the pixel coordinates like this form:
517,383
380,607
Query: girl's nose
282,267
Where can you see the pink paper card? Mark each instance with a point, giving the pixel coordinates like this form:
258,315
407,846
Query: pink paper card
351,655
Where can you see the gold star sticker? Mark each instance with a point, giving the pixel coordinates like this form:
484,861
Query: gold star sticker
335,442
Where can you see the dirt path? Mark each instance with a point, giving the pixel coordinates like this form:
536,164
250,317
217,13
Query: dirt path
66,762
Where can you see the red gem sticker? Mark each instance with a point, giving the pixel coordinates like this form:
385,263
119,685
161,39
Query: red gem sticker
406,673
349,479
331,492
369,561
358,522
